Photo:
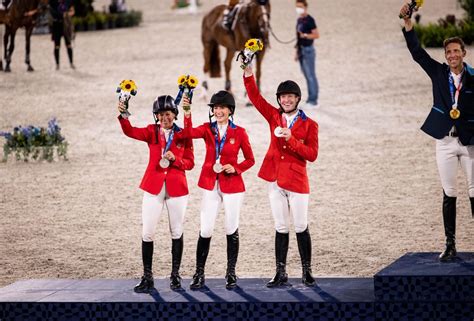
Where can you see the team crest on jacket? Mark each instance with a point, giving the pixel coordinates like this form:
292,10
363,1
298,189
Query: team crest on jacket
232,140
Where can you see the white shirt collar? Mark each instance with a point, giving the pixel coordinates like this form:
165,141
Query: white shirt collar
289,118
222,129
457,78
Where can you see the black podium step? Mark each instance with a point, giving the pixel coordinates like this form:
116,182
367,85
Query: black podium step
416,287
332,299
421,277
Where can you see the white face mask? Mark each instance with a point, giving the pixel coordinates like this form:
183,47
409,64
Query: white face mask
299,11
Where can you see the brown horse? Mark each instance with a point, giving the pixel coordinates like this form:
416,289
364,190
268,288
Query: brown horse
21,13
253,21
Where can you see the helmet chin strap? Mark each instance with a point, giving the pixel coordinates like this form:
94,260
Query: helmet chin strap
211,114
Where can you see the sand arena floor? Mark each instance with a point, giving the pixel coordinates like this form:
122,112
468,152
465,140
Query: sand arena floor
375,188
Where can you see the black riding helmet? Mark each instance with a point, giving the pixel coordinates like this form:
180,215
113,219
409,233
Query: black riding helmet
288,87
164,103
224,98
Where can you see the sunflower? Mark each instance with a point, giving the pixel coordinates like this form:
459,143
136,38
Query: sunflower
128,85
192,82
254,44
182,80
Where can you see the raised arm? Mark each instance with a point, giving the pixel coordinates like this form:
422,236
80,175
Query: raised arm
142,134
266,109
188,130
419,54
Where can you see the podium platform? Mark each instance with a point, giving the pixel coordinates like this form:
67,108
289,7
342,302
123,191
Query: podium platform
416,287
332,299
419,287
421,277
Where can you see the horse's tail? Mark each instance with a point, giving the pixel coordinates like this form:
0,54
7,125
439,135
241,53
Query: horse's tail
214,63
212,60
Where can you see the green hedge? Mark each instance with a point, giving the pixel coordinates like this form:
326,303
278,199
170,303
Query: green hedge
468,6
100,21
433,35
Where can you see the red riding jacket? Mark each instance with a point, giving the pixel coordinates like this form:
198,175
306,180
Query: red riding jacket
155,176
285,161
236,139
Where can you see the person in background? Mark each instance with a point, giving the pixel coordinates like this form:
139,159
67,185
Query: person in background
61,13
306,32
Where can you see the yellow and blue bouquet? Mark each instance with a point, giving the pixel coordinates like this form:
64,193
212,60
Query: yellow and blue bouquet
252,46
186,83
126,89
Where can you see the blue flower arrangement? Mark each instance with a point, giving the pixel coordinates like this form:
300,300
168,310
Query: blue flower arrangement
35,143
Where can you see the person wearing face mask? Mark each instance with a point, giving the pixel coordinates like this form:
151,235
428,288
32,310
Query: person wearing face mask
450,121
294,141
164,183
221,179
306,32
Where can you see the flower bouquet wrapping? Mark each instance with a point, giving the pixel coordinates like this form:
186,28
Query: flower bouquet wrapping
126,89
413,6
186,84
252,46
32,142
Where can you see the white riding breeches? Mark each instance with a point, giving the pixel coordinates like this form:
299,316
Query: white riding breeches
210,206
449,154
152,207
283,203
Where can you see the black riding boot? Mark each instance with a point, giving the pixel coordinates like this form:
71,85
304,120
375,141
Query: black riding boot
472,206
281,250
70,56
176,255
304,247
56,57
232,253
449,219
146,284
201,257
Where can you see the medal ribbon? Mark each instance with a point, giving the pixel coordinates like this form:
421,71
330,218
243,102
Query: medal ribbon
219,146
163,141
292,122
455,90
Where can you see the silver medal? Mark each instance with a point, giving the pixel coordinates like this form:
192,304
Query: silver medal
278,132
217,168
164,163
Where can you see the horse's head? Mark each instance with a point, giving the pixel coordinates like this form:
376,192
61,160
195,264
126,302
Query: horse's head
259,18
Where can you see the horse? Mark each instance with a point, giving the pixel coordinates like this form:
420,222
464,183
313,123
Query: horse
3,19
21,13
252,21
